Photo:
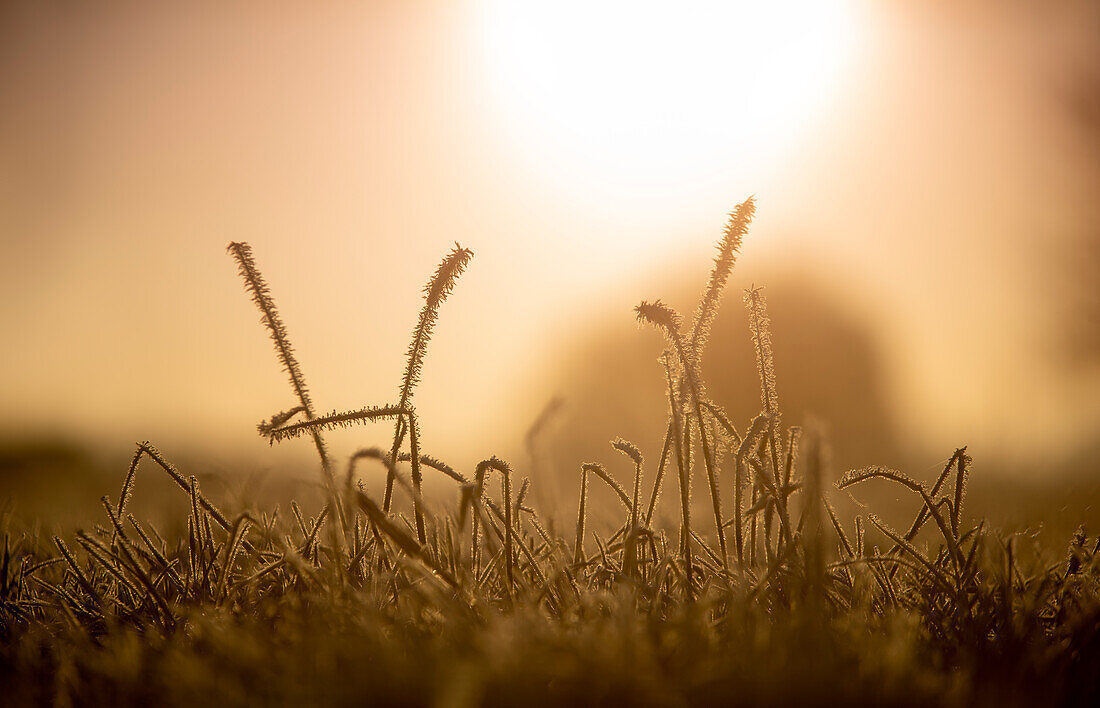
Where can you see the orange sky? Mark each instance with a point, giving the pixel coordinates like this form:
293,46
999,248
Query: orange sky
937,179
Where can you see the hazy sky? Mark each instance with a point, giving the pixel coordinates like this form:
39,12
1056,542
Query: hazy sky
925,161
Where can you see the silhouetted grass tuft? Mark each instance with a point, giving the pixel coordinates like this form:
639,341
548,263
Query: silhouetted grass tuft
480,600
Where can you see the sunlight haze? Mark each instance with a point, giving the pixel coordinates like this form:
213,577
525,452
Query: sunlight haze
911,157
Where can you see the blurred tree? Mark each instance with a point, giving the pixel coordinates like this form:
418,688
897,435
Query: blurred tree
1083,321
828,370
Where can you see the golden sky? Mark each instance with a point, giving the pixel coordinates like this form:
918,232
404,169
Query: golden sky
922,160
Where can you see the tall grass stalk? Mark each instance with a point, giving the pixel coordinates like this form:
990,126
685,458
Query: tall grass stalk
684,478
261,295
436,291
728,247
760,328
668,321
582,516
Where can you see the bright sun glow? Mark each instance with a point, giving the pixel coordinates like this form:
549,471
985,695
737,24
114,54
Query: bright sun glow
655,95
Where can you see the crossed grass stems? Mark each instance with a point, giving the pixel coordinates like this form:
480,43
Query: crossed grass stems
512,553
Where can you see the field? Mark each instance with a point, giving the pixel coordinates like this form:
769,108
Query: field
766,591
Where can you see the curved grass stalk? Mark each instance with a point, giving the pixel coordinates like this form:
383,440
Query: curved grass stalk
620,493
365,415
375,453
482,520
498,465
629,449
435,464
598,470
856,476
922,515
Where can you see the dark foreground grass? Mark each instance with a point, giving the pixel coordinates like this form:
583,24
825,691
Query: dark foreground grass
394,633
770,598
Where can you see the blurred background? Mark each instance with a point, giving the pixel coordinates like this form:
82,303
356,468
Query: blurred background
928,230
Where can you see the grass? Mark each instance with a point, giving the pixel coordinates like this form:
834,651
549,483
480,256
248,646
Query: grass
774,600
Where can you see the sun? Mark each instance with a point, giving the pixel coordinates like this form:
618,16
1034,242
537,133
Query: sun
660,94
